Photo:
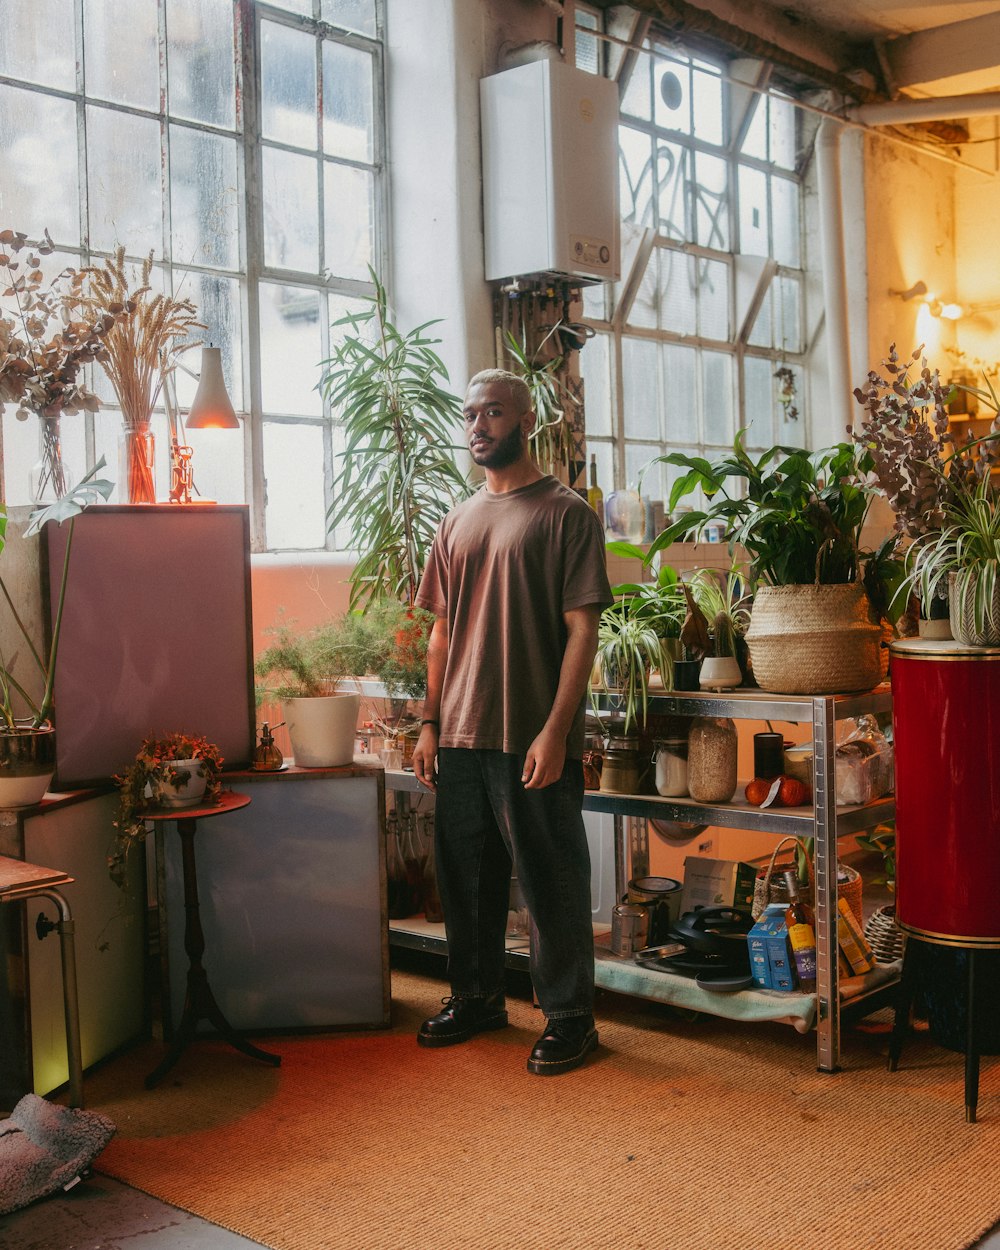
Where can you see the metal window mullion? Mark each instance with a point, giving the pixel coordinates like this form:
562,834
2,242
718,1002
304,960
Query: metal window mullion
165,209
248,53
83,209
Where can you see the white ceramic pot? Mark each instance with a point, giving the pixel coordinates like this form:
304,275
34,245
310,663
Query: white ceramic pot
182,784
27,765
720,672
323,729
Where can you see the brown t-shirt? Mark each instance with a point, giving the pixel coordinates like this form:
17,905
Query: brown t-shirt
503,569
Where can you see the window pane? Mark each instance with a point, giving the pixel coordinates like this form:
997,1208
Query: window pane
680,390
717,397
595,369
782,133
639,382
788,310
303,7
121,58
712,202
673,176
347,102
678,279
357,15
291,348
123,168
203,198
635,176
218,302
644,310
761,334
706,103
785,208
288,85
604,454
295,515
218,464
349,206
40,46
713,299
588,49
637,457
200,60
636,100
291,211
37,136
753,212
755,140
759,389
671,95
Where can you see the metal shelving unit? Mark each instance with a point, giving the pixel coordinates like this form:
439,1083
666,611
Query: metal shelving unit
823,821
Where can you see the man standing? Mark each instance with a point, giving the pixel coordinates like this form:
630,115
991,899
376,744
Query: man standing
516,579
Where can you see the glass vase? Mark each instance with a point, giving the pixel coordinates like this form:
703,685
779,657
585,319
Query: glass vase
136,475
49,477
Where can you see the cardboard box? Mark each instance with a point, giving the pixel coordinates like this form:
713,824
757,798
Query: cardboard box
717,883
771,962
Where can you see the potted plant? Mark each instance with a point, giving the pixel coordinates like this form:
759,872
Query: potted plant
173,770
798,517
398,477
725,607
27,737
305,672
551,440
396,637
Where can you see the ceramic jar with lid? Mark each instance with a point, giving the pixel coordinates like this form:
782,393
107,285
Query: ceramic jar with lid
712,744
670,762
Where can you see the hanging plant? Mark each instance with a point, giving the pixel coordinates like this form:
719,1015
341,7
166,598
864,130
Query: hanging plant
551,440
787,391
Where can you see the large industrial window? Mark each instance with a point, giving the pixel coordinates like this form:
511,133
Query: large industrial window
242,142
704,333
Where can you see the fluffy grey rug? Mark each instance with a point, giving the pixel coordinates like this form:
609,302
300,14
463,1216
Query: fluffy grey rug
45,1147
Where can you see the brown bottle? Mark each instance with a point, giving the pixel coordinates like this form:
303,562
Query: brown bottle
801,934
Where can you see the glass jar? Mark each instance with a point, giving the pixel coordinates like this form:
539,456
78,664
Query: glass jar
620,770
712,746
670,761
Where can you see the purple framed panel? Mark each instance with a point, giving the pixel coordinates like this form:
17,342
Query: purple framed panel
156,634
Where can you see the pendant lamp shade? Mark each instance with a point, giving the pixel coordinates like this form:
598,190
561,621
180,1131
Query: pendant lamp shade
212,408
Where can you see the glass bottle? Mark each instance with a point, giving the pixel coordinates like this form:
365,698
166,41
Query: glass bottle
595,496
712,759
266,756
801,934
398,890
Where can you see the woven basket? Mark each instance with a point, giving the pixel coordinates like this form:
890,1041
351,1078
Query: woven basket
766,890
885,937
814,639
962,617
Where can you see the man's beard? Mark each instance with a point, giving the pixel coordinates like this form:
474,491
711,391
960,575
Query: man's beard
501,454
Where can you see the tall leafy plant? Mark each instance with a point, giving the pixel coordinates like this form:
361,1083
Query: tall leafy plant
398,475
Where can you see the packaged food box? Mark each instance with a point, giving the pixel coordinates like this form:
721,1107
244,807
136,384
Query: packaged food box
771,963
853,943
717,883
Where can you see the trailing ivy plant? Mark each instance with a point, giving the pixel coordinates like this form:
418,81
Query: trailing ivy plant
398,475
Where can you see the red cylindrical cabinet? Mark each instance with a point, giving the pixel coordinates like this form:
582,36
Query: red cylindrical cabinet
946,724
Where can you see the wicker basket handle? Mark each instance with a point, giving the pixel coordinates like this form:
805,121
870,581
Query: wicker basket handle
777,851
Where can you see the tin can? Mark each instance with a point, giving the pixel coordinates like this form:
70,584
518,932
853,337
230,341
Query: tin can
629,928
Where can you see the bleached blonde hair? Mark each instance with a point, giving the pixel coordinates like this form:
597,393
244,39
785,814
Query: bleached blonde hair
519,392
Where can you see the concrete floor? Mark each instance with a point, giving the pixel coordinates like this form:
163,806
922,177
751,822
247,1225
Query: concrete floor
102,1214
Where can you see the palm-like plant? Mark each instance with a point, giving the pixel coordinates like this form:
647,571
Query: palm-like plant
398,477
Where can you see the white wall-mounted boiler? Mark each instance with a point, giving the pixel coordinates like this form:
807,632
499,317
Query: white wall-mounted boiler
550,173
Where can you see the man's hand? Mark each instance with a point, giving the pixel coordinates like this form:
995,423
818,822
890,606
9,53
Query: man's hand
425,755
545,760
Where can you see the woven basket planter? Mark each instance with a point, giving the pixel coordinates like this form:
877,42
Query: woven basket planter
963,621
814,640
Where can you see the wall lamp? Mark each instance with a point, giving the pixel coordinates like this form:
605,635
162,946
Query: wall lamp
211,409
936,307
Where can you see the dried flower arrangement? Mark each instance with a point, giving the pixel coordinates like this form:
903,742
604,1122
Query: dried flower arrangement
151,330
916,463
154,760
44,343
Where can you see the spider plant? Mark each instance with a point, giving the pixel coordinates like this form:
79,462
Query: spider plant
628,648
551,440
726,605
964,554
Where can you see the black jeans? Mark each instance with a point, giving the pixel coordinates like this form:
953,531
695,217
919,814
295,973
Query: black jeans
485,821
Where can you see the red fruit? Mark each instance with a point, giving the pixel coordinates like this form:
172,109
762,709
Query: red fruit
757,791
792,792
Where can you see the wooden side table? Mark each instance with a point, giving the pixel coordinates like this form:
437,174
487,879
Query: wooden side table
199,1001
20,881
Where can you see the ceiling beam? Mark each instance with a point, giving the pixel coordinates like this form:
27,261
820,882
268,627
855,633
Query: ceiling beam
944,51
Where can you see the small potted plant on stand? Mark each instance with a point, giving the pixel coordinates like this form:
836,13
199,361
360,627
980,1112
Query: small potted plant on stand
173,770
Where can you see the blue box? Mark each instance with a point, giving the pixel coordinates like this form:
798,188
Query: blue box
771,961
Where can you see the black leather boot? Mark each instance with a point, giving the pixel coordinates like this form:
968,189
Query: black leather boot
563,1046
463,1017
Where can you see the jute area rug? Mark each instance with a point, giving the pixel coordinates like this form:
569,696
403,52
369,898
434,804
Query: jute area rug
686,1134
